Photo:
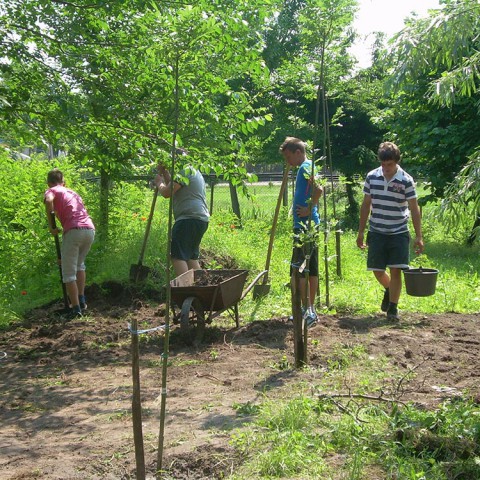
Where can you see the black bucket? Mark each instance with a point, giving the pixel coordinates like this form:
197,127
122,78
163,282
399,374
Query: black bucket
420,282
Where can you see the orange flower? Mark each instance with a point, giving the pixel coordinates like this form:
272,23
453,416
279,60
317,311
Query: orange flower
23,292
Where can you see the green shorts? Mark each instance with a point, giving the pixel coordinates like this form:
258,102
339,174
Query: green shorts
392,251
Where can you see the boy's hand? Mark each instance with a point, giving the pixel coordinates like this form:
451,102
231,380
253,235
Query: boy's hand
54,231
360,241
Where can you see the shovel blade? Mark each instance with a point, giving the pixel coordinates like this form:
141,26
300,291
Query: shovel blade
260,291
138,273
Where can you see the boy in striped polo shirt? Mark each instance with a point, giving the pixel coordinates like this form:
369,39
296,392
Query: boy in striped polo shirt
389,199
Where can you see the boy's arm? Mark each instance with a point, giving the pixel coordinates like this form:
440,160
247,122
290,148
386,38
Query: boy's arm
364,214
417,224
50,214
163,181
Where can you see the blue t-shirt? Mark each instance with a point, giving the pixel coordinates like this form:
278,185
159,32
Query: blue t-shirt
303,192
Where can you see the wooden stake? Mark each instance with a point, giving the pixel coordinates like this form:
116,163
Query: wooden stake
137,406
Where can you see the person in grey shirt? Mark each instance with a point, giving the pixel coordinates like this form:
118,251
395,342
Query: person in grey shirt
190,212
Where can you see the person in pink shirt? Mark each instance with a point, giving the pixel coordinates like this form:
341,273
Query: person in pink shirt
77,237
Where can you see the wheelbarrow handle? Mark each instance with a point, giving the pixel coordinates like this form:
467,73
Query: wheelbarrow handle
255,280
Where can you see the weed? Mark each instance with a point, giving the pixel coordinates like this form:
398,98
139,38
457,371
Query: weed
246,408
282,364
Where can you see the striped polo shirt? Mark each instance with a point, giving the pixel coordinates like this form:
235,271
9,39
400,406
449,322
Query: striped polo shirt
390,211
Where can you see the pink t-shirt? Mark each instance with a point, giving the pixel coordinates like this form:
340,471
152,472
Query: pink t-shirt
69,208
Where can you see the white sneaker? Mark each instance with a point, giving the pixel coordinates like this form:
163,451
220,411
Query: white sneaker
310,318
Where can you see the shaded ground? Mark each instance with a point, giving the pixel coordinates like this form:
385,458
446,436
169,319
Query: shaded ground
66,387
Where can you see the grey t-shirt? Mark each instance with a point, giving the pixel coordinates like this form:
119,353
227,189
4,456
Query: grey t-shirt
190,200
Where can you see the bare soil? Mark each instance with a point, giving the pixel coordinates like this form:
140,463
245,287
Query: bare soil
67,386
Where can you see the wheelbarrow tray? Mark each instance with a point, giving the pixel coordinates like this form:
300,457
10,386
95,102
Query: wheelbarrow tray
224,293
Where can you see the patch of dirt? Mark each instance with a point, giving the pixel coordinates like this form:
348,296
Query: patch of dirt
67,386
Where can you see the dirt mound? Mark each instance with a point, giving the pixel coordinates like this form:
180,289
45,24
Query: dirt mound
67,386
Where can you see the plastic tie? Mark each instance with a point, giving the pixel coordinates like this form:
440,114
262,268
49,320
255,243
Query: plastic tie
148,330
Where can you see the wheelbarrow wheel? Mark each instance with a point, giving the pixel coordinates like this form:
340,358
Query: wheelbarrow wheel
192,320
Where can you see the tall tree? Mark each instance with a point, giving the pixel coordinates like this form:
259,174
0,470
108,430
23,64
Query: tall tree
97,77
438,59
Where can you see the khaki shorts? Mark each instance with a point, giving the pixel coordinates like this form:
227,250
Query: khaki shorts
76,244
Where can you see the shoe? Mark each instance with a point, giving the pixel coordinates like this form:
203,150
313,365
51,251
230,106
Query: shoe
83,303
385,301
310,318
290,318
392,313
73,314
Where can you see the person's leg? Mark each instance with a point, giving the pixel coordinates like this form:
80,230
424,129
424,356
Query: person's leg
313,281
70,251
72,292
81,280
377,263
86,238
179,266
398,259
383,278
303,292
193,264
395,284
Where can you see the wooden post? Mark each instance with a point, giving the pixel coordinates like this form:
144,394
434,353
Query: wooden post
299,343
338,236
212,184
137,406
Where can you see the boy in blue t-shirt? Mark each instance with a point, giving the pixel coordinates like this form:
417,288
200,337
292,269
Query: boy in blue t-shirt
305,210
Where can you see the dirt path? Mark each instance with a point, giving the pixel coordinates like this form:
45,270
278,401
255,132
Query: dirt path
66,388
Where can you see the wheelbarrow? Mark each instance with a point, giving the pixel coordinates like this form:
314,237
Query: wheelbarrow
203,295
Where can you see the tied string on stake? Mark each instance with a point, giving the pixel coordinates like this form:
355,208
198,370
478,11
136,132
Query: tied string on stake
148,330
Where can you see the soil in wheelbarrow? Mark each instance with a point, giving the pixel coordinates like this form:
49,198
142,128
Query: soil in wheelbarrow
66,387
209,279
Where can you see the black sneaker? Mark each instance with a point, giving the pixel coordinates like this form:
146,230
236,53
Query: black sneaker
385,301
392,313
73,314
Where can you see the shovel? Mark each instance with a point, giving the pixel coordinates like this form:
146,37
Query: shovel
66,302
264,288
139,272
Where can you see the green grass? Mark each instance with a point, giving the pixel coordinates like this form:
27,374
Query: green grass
34,279
316,434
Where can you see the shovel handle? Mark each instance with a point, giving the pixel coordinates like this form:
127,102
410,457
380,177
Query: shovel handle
275,219
149,224
59,258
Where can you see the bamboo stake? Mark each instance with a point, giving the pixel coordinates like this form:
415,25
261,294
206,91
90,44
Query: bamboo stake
166,343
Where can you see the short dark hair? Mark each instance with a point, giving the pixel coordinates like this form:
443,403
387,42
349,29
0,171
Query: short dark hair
293,144
388,151
55,176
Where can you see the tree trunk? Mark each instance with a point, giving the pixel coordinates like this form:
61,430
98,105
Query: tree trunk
352,208
234,199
